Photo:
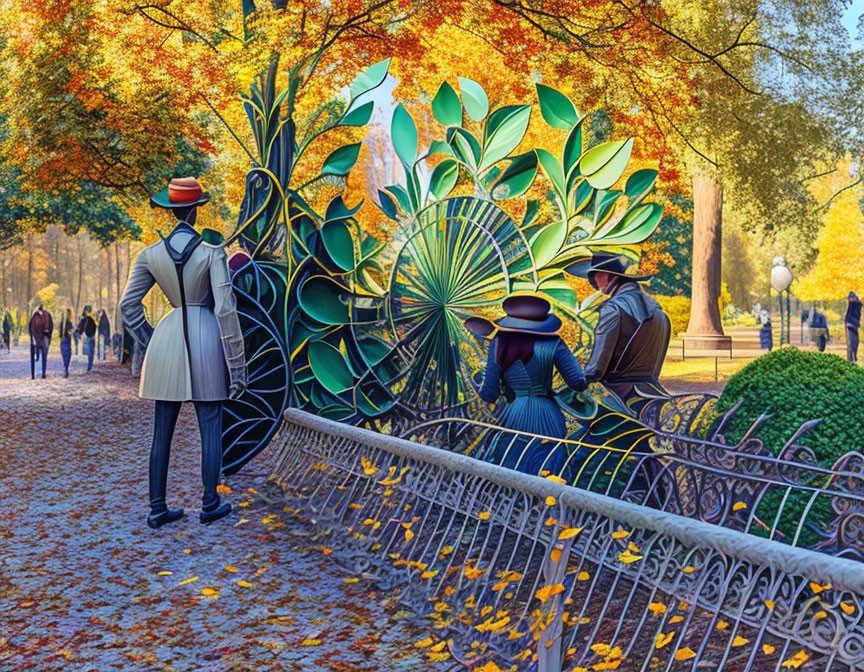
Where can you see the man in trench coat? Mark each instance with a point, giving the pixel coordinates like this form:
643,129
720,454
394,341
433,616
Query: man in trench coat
195,353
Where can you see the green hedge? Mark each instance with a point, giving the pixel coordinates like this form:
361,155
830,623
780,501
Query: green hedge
796,386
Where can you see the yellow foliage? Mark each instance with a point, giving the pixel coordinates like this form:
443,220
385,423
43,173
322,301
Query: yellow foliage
840,242
678,310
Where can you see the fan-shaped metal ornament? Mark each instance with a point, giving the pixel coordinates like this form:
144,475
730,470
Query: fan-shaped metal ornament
454,261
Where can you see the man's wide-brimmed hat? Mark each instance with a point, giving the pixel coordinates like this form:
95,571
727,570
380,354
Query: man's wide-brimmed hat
605,262
182,192
525,313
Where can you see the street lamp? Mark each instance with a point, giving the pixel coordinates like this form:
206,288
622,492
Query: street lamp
781,278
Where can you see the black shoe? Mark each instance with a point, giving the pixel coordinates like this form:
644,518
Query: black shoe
221,511
157,520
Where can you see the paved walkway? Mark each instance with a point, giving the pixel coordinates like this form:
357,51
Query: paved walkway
85,585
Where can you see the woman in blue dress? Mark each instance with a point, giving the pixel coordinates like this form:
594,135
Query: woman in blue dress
524,351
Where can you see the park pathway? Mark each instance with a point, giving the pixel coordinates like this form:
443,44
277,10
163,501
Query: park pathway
85,585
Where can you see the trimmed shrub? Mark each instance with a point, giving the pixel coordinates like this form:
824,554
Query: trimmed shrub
796,386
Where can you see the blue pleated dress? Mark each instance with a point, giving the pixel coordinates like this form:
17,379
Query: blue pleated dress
533,408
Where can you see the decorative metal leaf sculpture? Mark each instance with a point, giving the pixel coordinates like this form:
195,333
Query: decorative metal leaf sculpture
372,331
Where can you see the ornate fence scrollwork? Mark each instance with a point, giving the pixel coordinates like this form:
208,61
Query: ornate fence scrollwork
547,575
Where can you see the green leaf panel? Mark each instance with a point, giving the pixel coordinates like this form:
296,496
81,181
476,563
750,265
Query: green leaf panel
518,177
341,160
339,243
330,367
446,107
474,99
505,129
359,116
443,178
403,133
556,108
548,242
604,164
370,78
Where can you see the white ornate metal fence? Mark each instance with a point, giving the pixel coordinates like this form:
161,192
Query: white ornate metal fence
552,577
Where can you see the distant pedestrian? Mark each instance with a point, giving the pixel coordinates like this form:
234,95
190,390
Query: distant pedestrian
853,324
77,337
7,331
819,329
104,339
41,326
67,328
87,330
766,336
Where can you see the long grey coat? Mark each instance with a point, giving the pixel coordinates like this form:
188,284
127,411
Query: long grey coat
216,352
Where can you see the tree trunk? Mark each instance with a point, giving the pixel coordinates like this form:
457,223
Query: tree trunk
707,254
110,282
104,260
117,287
29,296
80,275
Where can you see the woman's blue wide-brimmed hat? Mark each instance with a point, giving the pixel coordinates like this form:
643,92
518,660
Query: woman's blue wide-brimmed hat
182,192
525,313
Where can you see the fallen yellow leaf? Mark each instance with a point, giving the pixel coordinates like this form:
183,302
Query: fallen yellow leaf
739,640
657,608
676,619
770,604
767,649
684,654
353,579
244,584
817,588
165,573
797,660
551,522
569,532
429,574
583,576
722,625
311,642
848,608
555,479
662,640
189,580
620,534
555,555
628,557
737,506
409,535
231,568
483,515
551,501
546,592
209,592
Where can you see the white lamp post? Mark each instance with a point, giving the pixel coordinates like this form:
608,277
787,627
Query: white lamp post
781,278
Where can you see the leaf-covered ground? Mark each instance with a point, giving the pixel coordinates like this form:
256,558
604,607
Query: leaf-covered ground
85,585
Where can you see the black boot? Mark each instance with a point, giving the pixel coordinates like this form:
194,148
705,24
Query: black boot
215,513
157,520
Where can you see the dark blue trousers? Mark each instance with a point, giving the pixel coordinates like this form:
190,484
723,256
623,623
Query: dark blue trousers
38,351
210,425
851,344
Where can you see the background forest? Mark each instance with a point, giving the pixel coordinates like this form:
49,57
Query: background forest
749,109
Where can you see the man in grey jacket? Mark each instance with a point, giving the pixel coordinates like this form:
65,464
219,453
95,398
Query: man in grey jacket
632,333
195,352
